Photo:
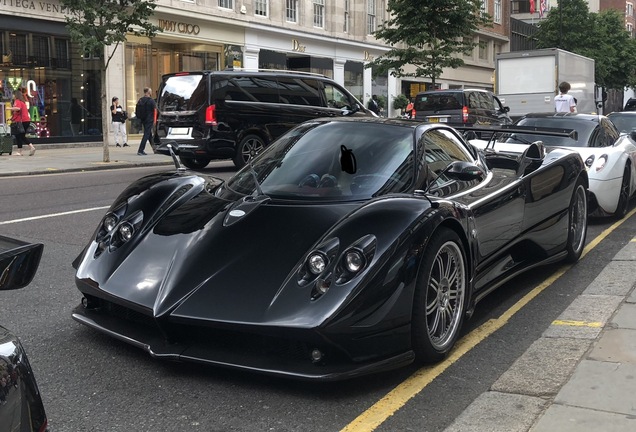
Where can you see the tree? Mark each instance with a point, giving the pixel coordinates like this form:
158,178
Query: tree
428,34
94,25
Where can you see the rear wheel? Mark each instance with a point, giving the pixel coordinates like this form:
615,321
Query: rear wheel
577,223
440,298
623,196
194,163
249,147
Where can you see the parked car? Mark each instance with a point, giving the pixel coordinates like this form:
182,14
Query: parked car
348,246
461,107
625,121
630,105
235,113
609,156
21,407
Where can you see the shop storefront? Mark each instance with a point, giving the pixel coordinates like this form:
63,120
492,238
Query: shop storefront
39,58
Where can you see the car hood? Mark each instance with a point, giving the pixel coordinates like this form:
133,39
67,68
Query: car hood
199,260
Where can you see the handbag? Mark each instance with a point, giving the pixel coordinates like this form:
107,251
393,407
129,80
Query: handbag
17,128
32,129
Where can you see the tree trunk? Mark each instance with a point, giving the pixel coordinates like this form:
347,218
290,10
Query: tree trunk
106,115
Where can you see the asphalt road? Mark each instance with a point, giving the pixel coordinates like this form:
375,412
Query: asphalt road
91,382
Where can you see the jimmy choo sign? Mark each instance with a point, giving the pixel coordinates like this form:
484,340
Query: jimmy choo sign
43,7
179,27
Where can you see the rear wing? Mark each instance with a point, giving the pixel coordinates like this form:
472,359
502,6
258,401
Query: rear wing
496,133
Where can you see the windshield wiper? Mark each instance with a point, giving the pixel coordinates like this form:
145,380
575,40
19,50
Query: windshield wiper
259,191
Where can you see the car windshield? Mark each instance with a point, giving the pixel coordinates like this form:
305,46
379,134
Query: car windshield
341,161
583,126
624,122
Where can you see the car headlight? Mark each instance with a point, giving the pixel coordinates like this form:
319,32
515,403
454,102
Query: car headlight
353,260
109,223
126,231
602,161
317,263
589,161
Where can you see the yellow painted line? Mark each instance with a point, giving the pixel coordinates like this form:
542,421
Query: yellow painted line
572,323
380,411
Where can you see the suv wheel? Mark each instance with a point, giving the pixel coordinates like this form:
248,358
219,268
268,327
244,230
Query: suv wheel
249,147
195,163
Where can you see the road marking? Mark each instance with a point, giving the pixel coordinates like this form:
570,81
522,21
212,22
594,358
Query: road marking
379,412
572,323
51,215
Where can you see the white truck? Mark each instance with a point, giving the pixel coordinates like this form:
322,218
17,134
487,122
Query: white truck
528,81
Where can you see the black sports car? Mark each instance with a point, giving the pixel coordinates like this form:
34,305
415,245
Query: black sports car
21,407
346,247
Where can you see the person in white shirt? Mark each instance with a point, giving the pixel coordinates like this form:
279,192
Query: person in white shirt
564,102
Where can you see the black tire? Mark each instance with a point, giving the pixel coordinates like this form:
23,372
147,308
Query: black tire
577,222
623,196
440,299
249,147
195,163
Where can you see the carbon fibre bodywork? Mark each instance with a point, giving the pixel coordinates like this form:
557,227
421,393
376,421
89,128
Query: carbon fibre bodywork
286,271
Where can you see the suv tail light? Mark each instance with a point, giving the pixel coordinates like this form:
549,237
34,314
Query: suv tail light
465,114
210,115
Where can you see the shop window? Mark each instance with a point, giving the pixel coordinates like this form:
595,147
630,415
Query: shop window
291,11
226,4
40,51
319,13
354,78
261,8
18,49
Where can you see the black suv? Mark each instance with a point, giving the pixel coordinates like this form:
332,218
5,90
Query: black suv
234,114
461,107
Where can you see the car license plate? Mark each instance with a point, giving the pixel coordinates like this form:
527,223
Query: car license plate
433,120
179,131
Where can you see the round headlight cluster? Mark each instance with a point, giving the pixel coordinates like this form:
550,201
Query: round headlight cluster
353,260
317,263
126,231
109,222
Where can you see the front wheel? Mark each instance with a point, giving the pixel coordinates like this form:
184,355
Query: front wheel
249,147
623,196
440,298
577,223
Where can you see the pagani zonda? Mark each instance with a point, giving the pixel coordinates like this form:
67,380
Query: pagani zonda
346,247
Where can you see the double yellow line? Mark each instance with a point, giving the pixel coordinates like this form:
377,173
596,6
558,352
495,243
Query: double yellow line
373,417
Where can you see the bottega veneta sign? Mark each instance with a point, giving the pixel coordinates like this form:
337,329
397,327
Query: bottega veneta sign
39,6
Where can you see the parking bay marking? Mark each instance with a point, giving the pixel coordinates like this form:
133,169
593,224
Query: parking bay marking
379,412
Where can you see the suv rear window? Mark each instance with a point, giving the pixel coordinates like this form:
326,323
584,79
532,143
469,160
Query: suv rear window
183,93
438,101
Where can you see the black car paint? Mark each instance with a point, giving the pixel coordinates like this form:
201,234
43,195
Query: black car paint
204,288
21,407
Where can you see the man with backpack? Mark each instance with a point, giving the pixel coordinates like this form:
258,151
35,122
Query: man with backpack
145,112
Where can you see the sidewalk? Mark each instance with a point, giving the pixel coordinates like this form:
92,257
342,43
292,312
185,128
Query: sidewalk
588,387
54,158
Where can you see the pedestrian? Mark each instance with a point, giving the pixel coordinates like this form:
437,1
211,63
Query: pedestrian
119,117
19,118
564,102
409,109
145,112
374,105
75,111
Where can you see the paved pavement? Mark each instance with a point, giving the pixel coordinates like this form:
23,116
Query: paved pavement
589,386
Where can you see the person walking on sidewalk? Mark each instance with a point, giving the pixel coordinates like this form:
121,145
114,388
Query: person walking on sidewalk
21,115
119,117
145,112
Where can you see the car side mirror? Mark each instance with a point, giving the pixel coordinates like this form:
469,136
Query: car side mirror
18,262
464,171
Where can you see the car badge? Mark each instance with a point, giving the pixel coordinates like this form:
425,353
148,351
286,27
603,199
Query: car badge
237,213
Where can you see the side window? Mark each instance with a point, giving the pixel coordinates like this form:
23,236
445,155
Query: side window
611,132
336,97
597,138
473,100
486,101
252,89
297,91
441,147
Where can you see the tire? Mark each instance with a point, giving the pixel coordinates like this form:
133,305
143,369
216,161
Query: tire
577,223
439,302
623,196
249,147
194,163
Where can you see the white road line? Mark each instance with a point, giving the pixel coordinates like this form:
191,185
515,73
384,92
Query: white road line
52,215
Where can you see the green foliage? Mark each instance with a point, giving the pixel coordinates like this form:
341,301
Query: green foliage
428,34
601,36
400,102
94,24
381,101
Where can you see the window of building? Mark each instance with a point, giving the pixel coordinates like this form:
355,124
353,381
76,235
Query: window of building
346,16
469,54
226,4
291,11
484,6
40,51
261,8
630,29
497,12
483,49
629,9
319,13
370,16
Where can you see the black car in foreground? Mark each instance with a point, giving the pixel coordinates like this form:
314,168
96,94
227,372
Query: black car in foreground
348,246
21,408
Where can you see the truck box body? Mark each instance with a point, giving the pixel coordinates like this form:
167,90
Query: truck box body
528,81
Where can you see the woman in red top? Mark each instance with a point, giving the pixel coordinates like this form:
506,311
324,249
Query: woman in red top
21,114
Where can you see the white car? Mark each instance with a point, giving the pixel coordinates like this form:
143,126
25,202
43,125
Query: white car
609,155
